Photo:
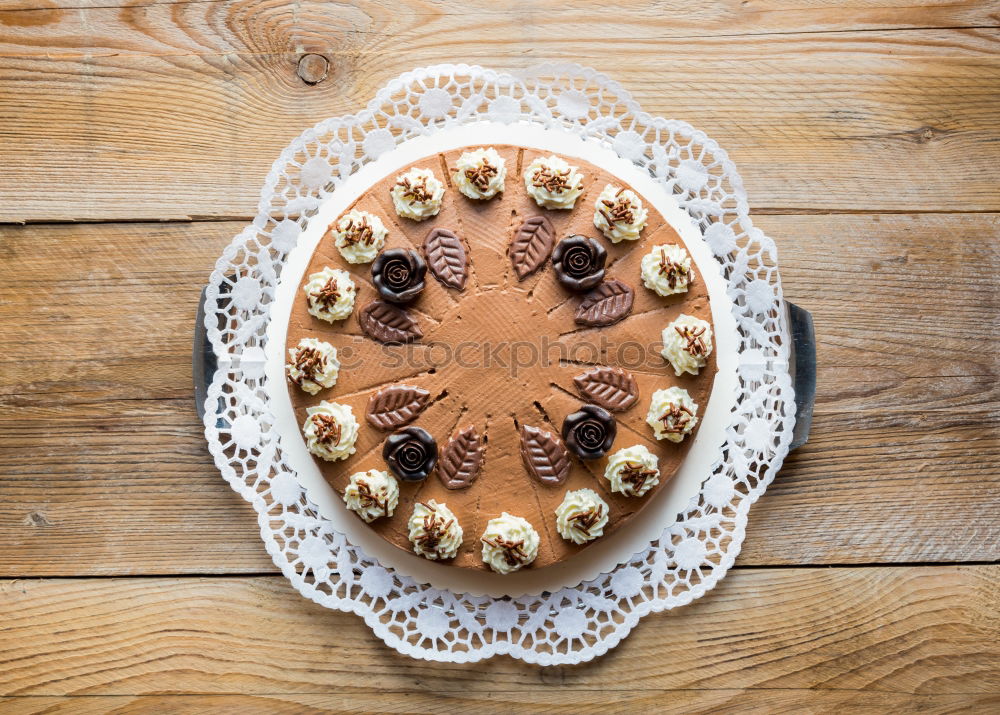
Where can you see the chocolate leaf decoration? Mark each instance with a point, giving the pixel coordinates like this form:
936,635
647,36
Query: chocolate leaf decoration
461,460
606,304
396,405
531,246
610,387
388,323
544,455
446,257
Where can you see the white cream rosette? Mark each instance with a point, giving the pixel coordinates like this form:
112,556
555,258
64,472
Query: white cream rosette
619,214
313,365
553,183
417,194
582,516
372,494
479,174
330,431
509,543
331,294
672,414
434,531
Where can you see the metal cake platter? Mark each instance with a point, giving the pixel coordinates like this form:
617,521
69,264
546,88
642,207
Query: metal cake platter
802,365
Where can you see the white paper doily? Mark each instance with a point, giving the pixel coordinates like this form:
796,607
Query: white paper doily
572,624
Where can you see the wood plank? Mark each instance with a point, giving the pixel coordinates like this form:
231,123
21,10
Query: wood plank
906,418
110,307
98,289
180,108
704,701
137,493
925,631
710,18
907,394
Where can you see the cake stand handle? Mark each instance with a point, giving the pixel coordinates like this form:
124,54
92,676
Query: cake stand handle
203,361
802,367
803,370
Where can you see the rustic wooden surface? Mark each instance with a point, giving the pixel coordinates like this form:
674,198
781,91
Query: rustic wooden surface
135,136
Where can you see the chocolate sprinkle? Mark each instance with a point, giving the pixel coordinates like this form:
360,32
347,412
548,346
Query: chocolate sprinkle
670,268
552,181
308,361
360,233
675,420
328,294
618,211
480,176
513,551
418,191
586,520
695,342
635,475
367,498
435,529
328,430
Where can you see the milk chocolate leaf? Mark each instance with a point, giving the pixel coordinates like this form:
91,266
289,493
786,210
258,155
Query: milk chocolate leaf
396,405
544,455
606,304
461,460
531,246
446,257
610,387
388,323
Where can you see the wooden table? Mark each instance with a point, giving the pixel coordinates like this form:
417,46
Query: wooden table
136,135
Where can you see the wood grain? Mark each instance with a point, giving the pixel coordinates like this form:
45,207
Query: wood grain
544,699
176,110
930,632
885,114
903,463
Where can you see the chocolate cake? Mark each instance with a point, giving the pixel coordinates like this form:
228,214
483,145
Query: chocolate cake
498,356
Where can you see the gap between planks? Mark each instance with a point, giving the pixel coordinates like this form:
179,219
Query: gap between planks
761,211
277,574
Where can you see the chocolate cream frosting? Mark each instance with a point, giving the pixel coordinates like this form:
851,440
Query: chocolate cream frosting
500,353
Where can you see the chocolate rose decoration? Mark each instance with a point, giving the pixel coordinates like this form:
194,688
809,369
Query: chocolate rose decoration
579,262
411,453
589,432
398,274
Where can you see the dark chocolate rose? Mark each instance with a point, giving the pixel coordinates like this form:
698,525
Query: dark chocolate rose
589,432
398,274
411,453
579,262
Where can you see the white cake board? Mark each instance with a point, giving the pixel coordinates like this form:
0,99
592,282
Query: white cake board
665,505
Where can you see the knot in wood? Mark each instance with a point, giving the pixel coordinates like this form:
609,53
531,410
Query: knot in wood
312,68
